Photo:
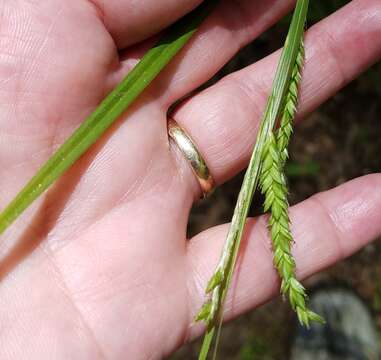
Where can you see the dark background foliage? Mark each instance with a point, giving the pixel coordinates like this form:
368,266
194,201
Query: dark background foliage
338,142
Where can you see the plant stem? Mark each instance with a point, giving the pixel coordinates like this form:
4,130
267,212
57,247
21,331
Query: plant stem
107,112
220,281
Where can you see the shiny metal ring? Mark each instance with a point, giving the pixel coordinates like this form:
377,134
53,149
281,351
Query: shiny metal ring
193,156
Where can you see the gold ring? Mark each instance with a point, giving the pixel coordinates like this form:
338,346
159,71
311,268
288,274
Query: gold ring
195,159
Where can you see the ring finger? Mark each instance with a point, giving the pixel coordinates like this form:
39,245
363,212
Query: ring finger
223,120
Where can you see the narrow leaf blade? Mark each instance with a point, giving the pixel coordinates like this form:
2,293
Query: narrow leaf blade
107,112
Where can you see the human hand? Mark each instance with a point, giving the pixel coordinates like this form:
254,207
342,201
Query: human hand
100,267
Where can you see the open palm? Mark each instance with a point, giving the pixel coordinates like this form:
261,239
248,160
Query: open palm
100,267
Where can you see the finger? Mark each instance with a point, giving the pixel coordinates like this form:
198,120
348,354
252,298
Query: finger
327,227
223,120
231,25
132,21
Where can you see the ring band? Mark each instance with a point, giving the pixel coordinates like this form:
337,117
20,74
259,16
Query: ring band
195,159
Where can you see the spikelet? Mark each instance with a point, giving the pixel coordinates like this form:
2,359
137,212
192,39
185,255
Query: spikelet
274,187
291,102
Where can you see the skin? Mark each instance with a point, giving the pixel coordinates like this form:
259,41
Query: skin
100,267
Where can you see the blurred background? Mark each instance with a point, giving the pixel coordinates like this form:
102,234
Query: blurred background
339,142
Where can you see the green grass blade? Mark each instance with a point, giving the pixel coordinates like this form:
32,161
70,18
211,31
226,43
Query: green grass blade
108,111
272,113
207,342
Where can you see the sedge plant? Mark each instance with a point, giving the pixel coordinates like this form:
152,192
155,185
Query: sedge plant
266,171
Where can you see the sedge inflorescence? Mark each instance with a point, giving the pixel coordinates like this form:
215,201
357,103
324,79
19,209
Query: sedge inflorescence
274,187
266,172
